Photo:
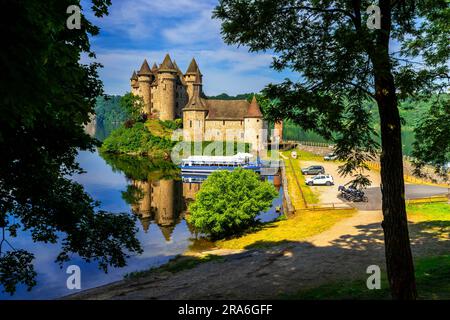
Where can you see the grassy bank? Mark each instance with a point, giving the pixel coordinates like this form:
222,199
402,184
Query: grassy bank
151,138
294,174
297,228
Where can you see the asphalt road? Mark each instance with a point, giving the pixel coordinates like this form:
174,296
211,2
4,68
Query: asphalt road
412,191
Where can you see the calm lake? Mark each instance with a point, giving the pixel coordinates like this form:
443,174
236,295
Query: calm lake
161,208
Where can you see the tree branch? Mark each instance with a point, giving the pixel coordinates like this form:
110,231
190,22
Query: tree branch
331,11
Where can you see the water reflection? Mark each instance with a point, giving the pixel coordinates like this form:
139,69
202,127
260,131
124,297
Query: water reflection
153,191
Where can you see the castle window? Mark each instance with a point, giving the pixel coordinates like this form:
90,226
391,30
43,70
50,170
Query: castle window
190,123
257,120
223,122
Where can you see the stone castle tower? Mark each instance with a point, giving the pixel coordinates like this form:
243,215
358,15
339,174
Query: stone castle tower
169,94
164,88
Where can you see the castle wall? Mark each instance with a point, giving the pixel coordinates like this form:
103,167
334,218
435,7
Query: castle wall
254,133
224,130
193,125
190,80
144,92
182,99
167,94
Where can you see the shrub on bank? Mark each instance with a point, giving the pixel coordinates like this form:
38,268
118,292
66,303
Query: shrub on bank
136,139
229,202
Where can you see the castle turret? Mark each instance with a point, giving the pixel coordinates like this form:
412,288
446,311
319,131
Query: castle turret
145,79
191,76
134,83
194,113
167,79
254,125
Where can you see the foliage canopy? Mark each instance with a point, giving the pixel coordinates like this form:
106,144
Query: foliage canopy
229,202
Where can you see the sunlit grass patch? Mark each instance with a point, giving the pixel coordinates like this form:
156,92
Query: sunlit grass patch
432,280
429,212
298,228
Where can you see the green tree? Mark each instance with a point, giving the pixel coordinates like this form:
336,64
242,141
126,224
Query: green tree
432,136
133,106
229,202
46,97
342,63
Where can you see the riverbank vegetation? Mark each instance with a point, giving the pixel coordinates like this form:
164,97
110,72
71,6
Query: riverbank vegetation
229,202
137,139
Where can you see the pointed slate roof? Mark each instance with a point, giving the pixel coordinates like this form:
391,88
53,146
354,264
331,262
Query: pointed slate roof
167,231
155,67
134,76
167,64
145,69
253,110
193,67
196,102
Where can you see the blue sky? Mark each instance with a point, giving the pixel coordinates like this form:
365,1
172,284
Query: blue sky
138,29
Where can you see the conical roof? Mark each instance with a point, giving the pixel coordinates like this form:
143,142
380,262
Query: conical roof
253,110
167,64
155,67
167,231
193,67
145,69
134,76
197,102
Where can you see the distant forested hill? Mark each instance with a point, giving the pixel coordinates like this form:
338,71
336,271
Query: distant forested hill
411,111
224,96
108,110
109,115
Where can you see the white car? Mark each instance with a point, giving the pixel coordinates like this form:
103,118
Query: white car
320,180
330,157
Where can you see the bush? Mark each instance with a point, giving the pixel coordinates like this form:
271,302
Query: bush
136,140
229,202
172,125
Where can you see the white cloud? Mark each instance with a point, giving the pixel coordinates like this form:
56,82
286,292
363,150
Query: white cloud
185,29
197,30
227,70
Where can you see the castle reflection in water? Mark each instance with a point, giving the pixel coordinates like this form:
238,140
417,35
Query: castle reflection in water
165,202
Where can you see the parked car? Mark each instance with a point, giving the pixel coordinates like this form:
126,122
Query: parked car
313,170
320,179
330,157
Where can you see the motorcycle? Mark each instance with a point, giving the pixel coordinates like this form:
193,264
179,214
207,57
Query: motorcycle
352,194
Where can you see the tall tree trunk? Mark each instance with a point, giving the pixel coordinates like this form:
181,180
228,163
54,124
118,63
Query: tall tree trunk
399,261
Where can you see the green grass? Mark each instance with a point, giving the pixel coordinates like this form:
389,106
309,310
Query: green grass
175,265
429,212
293,169
432,279
295,229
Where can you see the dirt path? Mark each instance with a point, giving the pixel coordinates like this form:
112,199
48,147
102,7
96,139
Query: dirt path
259,274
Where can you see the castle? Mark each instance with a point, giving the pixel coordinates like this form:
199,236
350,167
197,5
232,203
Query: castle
170,94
